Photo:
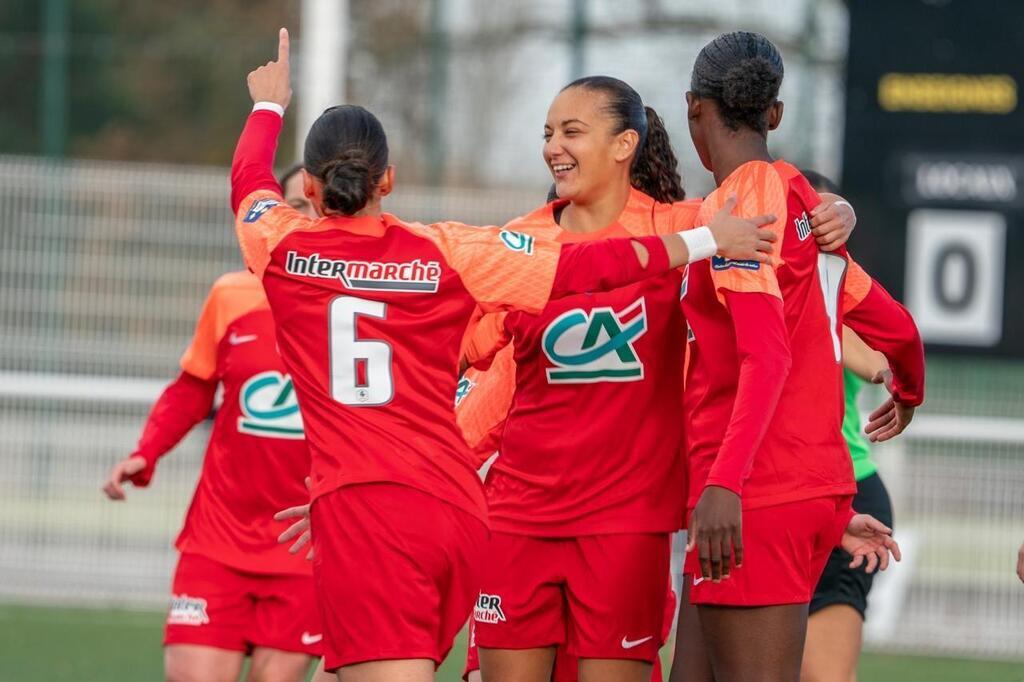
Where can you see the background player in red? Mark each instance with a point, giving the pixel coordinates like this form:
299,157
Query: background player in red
370,312
770,475
235,591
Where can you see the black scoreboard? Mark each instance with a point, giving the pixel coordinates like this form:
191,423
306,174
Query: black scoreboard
933,160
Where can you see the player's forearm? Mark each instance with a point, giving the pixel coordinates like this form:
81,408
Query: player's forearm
763,348
608,264
253,162
886,326
184,403
860,358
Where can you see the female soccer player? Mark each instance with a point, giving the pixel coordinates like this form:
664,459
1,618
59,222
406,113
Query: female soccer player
584,497
837,609
769,474
235,591
370,312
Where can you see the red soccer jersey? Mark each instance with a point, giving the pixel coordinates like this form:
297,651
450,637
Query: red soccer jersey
370,314
593,436
802,454
256,459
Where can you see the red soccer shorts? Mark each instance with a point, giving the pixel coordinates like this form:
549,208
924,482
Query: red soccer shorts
218,606
567,666
396,573
602,595
785,548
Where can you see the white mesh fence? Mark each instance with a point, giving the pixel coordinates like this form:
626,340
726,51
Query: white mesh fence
103,269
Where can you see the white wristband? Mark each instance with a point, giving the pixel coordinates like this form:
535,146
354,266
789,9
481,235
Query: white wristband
699,242
269,106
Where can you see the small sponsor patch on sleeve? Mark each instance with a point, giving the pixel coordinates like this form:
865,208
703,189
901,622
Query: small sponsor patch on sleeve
258,208
517,241
720,263
462,390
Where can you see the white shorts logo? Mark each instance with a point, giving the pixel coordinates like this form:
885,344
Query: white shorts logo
186,610
488,609
632,644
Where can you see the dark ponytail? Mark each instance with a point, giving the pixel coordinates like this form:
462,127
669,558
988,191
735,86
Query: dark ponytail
347,150
655,167
742,72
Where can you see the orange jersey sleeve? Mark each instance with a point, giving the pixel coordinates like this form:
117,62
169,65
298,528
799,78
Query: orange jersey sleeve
483,403
263,220
500,268
231,296
485,336
856,286
759,190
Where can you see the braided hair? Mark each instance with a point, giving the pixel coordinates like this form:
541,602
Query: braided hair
742,73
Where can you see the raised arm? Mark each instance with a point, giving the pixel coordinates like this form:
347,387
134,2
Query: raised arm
253,162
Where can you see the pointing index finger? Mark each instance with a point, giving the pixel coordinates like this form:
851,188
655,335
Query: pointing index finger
283,46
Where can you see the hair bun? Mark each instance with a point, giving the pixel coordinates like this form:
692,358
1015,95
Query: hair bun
751,85
347,181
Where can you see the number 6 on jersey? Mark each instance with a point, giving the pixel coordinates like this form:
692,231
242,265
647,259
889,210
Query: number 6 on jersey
373,385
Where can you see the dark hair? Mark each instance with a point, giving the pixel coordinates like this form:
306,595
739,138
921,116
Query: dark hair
742,72
347,150
288,174
655,168
819,182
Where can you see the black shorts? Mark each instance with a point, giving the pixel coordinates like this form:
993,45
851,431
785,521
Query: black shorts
840,584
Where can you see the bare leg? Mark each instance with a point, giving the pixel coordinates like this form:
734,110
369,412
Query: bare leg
517,665
407,670
833,645
197,663
690,662
614,670
755,644
274,665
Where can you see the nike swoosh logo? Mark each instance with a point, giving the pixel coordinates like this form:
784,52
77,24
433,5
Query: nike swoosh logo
235,340
309,640
697,581
629,644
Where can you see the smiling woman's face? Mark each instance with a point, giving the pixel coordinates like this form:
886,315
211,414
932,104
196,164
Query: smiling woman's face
581,150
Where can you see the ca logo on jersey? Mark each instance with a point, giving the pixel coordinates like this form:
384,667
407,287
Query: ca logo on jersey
269,407
588,347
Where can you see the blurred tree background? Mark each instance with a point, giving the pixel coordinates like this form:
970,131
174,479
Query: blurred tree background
141,80
131,80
